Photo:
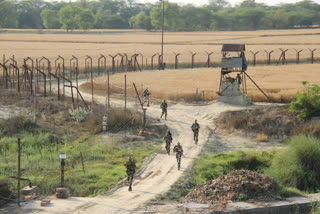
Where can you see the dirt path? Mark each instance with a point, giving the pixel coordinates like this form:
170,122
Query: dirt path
160,173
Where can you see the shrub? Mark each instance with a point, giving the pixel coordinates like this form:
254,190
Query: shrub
308,101
17,124
79,114
299,165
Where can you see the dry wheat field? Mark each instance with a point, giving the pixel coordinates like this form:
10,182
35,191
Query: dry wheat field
50,44
281,83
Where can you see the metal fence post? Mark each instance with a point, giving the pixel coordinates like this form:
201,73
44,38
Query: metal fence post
19,171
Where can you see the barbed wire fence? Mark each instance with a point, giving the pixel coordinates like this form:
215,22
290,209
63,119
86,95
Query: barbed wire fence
38,77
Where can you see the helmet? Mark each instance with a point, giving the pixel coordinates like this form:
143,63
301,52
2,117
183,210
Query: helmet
130,158
178,143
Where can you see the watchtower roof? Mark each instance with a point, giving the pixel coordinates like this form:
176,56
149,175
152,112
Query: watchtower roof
233,47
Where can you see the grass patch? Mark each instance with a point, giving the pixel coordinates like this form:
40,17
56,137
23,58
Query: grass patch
103,162
52,128
299,165
211,166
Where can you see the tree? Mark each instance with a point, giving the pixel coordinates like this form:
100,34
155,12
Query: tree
216,5
195,18
8,15
68,17
29,13
107,20
50,19
249,18
141,21
172,21
86,19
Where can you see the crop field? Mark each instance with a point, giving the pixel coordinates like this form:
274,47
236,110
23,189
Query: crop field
50,44
281,82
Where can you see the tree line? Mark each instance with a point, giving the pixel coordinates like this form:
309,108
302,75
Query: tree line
129,14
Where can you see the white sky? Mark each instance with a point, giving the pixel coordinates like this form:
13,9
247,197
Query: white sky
233,2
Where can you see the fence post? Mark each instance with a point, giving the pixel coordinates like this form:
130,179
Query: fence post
108,89
152,60
144,117
254,56
208,60
125,92
192,59
77,71
176,60
19,171
312,54
113,62
268,56
283,56
298,55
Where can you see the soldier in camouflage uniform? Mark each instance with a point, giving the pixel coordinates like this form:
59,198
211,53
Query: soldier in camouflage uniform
146,95
178,149
131,169
195,128
168,139
164,107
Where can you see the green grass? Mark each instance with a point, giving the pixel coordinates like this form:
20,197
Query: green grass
211,166
299,165
103,161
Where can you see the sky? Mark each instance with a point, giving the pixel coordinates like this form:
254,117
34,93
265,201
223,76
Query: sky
232,2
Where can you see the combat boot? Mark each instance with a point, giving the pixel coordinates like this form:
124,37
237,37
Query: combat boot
130,189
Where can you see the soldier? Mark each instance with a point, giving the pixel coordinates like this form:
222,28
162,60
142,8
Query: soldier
195,128
146,95
164,107
168,139
178,149
131,169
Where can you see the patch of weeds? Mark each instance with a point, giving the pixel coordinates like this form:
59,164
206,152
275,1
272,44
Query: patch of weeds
243,197
315,208
299,165
79,114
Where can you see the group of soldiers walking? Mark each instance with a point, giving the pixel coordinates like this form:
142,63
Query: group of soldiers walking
195,127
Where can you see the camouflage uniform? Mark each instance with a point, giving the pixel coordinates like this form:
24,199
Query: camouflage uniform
168,139
131,169
146,95
179,152
164,107
195,128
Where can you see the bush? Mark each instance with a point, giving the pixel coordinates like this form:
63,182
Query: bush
79,114
17,124
308,101
299,165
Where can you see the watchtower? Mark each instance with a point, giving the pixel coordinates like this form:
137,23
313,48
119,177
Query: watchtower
233,77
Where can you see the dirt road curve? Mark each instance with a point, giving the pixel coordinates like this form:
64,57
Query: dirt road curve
159,174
